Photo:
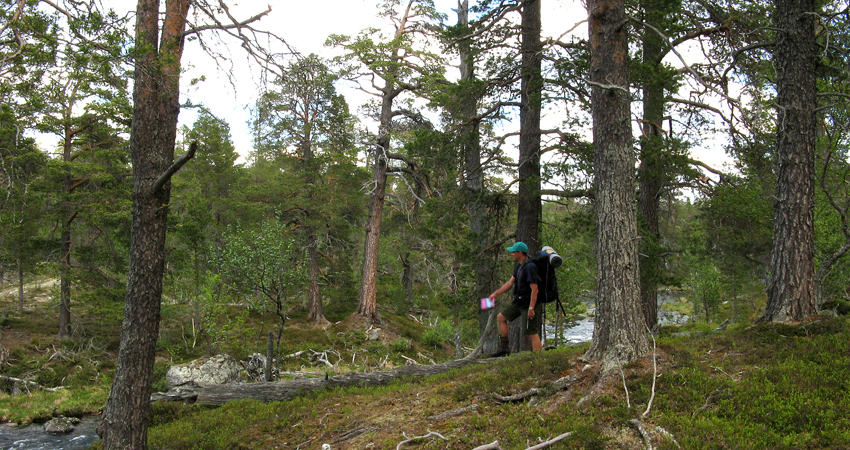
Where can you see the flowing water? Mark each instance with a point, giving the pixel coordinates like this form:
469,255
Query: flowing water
33,437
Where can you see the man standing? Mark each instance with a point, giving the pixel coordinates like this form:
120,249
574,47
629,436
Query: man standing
524,284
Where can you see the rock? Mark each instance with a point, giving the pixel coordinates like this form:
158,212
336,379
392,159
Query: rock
218,369
61,425
373,334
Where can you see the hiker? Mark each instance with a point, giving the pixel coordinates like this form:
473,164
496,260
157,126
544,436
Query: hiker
524,283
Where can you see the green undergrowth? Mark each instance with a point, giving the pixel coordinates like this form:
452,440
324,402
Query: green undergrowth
762,387
40,406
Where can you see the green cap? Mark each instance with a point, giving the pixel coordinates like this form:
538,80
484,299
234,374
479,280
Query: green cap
518,247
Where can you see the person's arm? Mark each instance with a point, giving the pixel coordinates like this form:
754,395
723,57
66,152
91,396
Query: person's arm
505,287
533,301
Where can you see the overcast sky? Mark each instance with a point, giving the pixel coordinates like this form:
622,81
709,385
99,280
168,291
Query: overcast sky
305,26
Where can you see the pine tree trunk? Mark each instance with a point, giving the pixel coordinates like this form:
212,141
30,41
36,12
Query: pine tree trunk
368,304
619,333
474,180
651,173
314,295
529,208
152,138
790,295
65,246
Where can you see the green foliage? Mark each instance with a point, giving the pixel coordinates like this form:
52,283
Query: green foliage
221,323
705,288
440,332
261,260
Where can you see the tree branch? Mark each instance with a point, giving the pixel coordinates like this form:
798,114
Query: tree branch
174,168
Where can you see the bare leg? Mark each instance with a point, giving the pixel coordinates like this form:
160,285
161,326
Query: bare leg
536,345
503,325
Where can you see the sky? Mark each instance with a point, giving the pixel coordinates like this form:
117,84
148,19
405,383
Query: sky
305,26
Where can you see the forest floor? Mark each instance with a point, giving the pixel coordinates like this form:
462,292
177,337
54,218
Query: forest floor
768,386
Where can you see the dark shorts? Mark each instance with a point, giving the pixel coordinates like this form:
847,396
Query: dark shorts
529,327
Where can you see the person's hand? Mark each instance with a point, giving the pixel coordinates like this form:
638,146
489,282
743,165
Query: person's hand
530,313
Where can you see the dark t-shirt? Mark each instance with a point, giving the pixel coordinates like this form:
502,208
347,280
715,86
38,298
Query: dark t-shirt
525,275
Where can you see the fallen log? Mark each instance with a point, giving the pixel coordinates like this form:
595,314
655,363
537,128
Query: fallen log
271,391
15,386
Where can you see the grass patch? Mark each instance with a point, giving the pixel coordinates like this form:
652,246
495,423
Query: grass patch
40,406
715,391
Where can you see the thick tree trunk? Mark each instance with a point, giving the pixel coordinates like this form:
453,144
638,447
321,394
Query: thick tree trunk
619,333
314,295
473,179
65,246
790,295
368,304
651,172
529,208
152,138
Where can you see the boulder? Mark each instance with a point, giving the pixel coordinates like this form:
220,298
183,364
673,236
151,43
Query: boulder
61,425
218,369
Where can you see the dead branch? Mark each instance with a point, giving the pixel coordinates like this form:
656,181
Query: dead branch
517,397
491,446
654,376
550,441
453,412
193,147
643,434
564,383
9,384
420,438
495,444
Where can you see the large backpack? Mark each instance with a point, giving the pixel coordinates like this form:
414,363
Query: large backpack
547,260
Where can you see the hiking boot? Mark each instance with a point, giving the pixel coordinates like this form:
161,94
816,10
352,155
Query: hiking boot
503,348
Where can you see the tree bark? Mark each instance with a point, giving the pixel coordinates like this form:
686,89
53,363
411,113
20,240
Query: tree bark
152,138
368,304
65,243
529,208
790,295
314,295
473,177
619,333
650,172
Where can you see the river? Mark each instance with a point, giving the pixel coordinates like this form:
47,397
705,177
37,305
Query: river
33,437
